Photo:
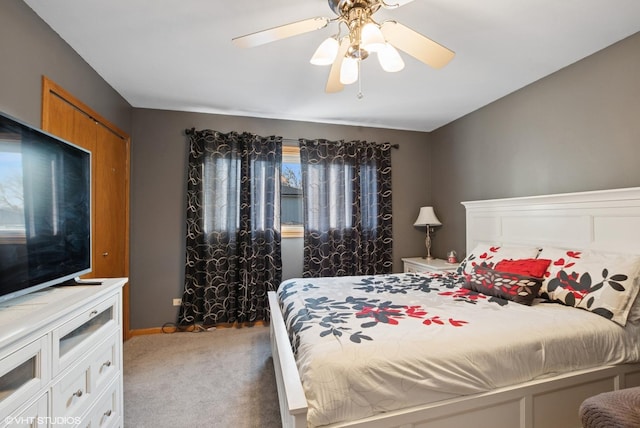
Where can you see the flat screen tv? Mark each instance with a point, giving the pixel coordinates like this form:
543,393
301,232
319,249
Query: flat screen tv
45,209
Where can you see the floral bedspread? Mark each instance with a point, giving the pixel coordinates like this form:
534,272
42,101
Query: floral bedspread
366,345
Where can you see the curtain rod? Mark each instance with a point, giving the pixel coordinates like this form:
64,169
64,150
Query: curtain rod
190,131
295,140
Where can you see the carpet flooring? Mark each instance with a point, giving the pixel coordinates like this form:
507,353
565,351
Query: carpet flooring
221,378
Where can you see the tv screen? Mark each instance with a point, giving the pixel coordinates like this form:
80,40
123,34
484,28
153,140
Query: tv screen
45,209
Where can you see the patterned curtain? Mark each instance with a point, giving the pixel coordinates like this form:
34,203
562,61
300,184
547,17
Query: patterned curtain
233,227
347,208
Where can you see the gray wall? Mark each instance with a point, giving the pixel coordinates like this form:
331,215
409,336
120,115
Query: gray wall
576,130
29,49
159,162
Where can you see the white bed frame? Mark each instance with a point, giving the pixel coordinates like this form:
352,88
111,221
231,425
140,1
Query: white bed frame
602,220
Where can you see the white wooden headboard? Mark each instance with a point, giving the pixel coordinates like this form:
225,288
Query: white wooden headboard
607,220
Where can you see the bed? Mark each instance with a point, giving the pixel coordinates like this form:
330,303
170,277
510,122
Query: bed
491,360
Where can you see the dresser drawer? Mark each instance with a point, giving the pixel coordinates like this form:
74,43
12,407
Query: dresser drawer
418,265
34,416
107,412
105,363
409,267
74,338
23,373
72,393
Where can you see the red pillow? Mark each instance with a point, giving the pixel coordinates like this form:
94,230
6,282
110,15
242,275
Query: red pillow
528,267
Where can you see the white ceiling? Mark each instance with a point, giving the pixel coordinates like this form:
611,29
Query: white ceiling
178,55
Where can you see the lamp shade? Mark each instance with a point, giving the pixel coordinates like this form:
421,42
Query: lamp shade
372,39
326,52
390,59
426,217
349,71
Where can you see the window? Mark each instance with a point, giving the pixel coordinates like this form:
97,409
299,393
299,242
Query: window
222,178
291,216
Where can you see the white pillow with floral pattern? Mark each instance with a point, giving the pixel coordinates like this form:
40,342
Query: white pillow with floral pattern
603,283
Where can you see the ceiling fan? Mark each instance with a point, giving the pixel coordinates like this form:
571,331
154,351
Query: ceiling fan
365,36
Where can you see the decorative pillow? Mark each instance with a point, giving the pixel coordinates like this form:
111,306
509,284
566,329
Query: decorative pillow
528,267
489,255
603,283
511,286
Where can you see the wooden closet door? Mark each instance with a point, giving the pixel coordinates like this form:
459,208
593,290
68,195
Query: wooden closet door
110,211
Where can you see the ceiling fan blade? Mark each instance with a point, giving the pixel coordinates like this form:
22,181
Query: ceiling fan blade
393,4
333,83
416,45
281,32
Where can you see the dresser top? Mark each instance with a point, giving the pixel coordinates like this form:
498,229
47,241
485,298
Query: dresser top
39,309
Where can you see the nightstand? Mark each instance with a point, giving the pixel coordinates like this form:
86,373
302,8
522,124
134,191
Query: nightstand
419,264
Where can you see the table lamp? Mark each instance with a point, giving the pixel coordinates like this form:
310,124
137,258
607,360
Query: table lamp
426,217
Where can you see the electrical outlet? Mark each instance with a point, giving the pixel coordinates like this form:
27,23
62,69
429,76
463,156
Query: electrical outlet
177,302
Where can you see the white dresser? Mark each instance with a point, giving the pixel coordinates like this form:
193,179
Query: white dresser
61,357
419,264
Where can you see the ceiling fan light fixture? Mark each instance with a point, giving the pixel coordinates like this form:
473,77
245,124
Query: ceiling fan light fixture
349,71
390,59
365,36
372,38
326,52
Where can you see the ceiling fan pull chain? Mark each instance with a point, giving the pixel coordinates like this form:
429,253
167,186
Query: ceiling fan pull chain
360,95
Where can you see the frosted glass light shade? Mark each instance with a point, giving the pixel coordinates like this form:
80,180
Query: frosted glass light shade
389,58
349,71
371,38
427,217
326,52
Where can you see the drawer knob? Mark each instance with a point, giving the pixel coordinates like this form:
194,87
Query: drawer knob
93,313
105,254
106,364
107,413
78,393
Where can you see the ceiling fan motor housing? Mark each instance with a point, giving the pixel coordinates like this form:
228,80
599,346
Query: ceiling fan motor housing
355,13
342,7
